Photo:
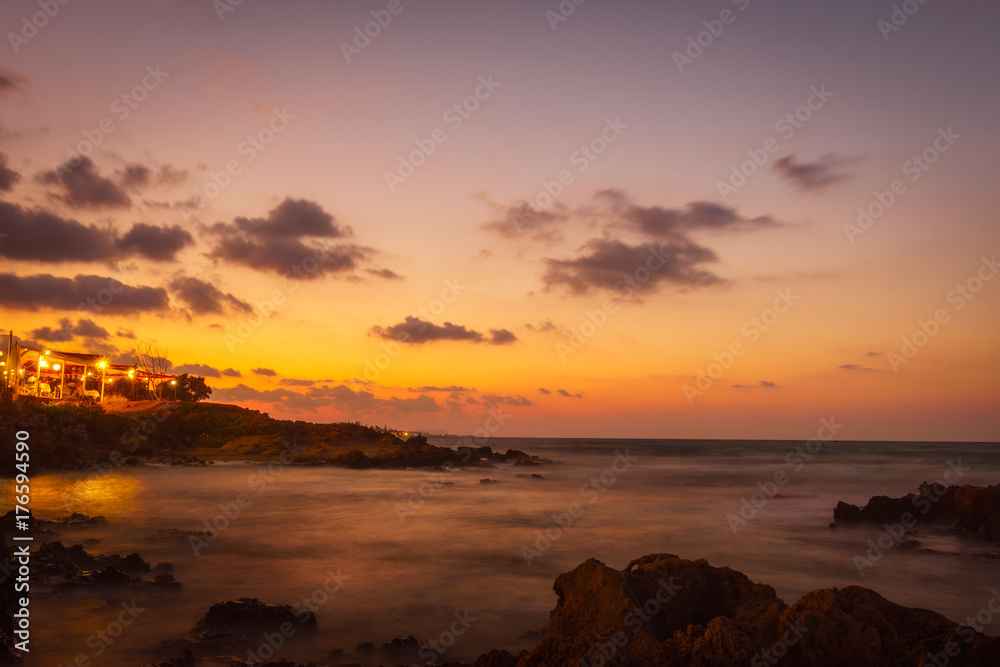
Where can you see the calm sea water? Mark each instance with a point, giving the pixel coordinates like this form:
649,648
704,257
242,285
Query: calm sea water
415,548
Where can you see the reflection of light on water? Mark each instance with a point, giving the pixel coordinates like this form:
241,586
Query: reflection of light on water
111,496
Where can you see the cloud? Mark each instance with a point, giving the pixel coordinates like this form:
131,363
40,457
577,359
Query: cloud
294,240
81,186
160,244
294,382
10,81
542,327
388,274
341,397
854,367
763,384
452,388
563,392
650,241
8,177
268,372
501,337
289,257
767,385
203,297
232,373
813,176
47,291
522,218
417,331
138,176
41,236
292,218
125,333
518,400
84,328
544,391
201,370
874,354
604,264
673,223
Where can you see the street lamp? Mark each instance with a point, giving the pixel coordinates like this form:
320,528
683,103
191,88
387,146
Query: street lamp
102,365
173,383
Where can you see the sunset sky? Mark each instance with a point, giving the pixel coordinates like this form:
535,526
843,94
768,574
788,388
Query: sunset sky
479,176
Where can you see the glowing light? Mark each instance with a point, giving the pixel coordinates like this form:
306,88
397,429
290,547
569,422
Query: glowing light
56,367
43,363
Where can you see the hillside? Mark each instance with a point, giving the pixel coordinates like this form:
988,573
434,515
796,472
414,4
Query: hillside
67,436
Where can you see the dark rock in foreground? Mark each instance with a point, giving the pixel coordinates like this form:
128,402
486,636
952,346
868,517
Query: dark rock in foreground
73,567
240,625
966,510
663,610
250,615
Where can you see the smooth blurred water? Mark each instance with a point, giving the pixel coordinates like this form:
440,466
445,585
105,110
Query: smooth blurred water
461,549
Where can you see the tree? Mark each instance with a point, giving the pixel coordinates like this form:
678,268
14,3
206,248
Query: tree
152,361
188,388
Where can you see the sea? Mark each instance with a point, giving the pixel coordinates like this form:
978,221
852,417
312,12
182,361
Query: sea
465,559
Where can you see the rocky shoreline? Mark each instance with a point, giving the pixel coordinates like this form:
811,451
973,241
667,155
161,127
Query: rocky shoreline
81,437
660,610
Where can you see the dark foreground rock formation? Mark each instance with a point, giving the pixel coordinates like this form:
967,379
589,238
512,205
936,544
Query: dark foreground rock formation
663,611
967,510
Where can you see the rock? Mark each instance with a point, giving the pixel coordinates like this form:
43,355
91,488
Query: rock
185,659
966,510
251,616
664,610
400,646
499,659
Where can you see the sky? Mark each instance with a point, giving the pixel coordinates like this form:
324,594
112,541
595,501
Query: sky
726,219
